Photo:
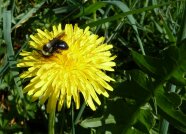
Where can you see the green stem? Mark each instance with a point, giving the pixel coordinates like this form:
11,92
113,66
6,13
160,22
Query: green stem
73,123
140,44
62,119
80,113
165,124
114,33
143,14
51,123
94,13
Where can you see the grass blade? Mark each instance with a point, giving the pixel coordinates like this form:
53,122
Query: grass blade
182,33
90,9
28,15
7,32
115,17
10,52
131,19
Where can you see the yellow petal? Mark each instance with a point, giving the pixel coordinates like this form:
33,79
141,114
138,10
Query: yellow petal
91,104
47,36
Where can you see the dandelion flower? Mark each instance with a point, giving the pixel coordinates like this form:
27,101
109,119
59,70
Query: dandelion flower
66,74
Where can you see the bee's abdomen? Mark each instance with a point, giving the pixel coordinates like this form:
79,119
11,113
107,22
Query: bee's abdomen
62,45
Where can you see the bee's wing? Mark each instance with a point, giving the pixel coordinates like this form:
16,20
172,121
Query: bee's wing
60,35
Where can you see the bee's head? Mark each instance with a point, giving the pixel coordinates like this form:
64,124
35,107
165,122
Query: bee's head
47,50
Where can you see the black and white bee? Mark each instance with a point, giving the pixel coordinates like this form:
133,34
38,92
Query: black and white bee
54,45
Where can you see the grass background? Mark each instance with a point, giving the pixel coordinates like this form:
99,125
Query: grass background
149,95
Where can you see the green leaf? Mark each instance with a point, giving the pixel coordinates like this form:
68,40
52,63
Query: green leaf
132,90
173,56
3,86
149,64
145,120
136,92
162,69
133,131
168,110
122,112
140,78
174,98
97,122
170,67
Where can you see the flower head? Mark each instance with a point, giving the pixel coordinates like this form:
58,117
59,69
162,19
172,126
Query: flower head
66,74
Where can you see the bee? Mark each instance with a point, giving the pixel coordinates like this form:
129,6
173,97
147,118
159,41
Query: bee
54,45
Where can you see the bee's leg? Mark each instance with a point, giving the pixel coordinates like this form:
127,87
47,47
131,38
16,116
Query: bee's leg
38,51
58,51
